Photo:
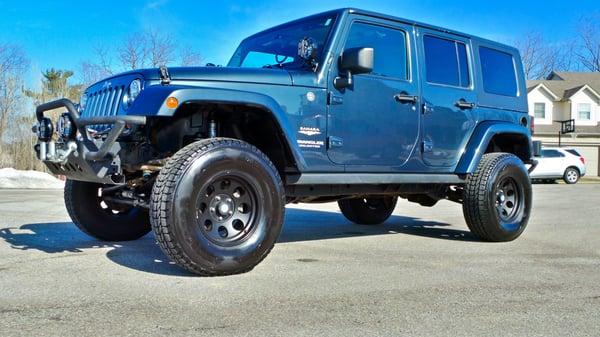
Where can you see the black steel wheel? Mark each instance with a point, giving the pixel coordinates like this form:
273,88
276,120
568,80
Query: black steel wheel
368,210
509,200
226,209
497,198
217,207
102,219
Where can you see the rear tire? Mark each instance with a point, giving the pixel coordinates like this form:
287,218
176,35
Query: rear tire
369,210
100,220
497,198
571,175
218,207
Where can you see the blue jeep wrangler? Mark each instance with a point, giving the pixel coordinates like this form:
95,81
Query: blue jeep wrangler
348,105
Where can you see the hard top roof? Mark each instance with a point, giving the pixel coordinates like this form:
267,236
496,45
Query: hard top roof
357,11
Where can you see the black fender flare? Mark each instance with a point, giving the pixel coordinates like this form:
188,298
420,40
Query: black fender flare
152,102
480,139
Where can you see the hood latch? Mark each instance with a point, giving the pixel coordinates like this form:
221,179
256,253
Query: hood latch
165,78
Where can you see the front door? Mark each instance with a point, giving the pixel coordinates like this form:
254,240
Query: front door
368,124
449,98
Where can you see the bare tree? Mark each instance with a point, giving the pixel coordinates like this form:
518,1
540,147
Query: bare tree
161,48
540,57
138,50
588,51
104,58
134,52
90,73
17,151
12,59
102,67
13,64
189,58
16,139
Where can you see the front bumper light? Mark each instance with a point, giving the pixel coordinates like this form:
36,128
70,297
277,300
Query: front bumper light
65,127
44,129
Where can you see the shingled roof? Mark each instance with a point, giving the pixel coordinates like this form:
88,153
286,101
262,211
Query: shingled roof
566,84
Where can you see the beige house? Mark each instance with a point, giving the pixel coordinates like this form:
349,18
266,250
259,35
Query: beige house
563,96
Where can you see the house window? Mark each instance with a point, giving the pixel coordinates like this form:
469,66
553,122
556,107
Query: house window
539,110
584,111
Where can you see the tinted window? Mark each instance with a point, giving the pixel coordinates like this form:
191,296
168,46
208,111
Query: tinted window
573,152
551,154
498,71
446,62
389,47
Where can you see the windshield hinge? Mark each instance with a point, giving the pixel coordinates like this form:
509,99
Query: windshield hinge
165,78
333,99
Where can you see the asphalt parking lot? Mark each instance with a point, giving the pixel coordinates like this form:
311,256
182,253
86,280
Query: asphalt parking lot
420,274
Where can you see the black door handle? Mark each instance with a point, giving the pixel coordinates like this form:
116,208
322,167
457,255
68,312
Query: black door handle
406,98
462,104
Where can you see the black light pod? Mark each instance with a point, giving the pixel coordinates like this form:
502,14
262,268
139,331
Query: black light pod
45,129
65,127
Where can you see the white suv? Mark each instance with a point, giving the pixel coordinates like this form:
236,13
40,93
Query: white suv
559,163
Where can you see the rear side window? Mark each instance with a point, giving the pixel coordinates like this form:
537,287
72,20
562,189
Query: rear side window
389,47
573,152
446,62
498,71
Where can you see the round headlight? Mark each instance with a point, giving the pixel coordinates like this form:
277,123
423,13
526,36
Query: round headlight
133,91
83,101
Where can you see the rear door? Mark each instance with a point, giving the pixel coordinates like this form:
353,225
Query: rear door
449,99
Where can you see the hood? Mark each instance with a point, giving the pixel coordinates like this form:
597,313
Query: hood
224,74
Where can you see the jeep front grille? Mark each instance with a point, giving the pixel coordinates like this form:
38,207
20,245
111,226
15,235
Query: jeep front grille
104,102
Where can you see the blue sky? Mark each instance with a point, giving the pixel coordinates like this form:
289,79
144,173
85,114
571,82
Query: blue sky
61,33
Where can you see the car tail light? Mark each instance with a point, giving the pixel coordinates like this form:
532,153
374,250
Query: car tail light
582,160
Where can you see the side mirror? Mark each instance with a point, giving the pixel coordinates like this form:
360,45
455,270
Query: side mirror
354,61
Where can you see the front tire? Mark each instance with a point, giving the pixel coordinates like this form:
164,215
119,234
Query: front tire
218,207
369,210
497,198
571,175
101,220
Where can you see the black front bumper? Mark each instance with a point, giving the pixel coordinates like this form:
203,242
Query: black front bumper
95,158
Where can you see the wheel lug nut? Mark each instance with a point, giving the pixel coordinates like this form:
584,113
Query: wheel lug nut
230,212
218,198
212,209
228,199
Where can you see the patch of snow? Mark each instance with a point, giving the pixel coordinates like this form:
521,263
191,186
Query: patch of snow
11,178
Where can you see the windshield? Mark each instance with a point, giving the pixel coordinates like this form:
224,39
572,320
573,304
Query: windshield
278,47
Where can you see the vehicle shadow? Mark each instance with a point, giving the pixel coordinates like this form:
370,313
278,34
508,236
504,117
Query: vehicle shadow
144,255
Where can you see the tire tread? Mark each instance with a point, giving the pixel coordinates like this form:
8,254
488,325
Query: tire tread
475,196
163,194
